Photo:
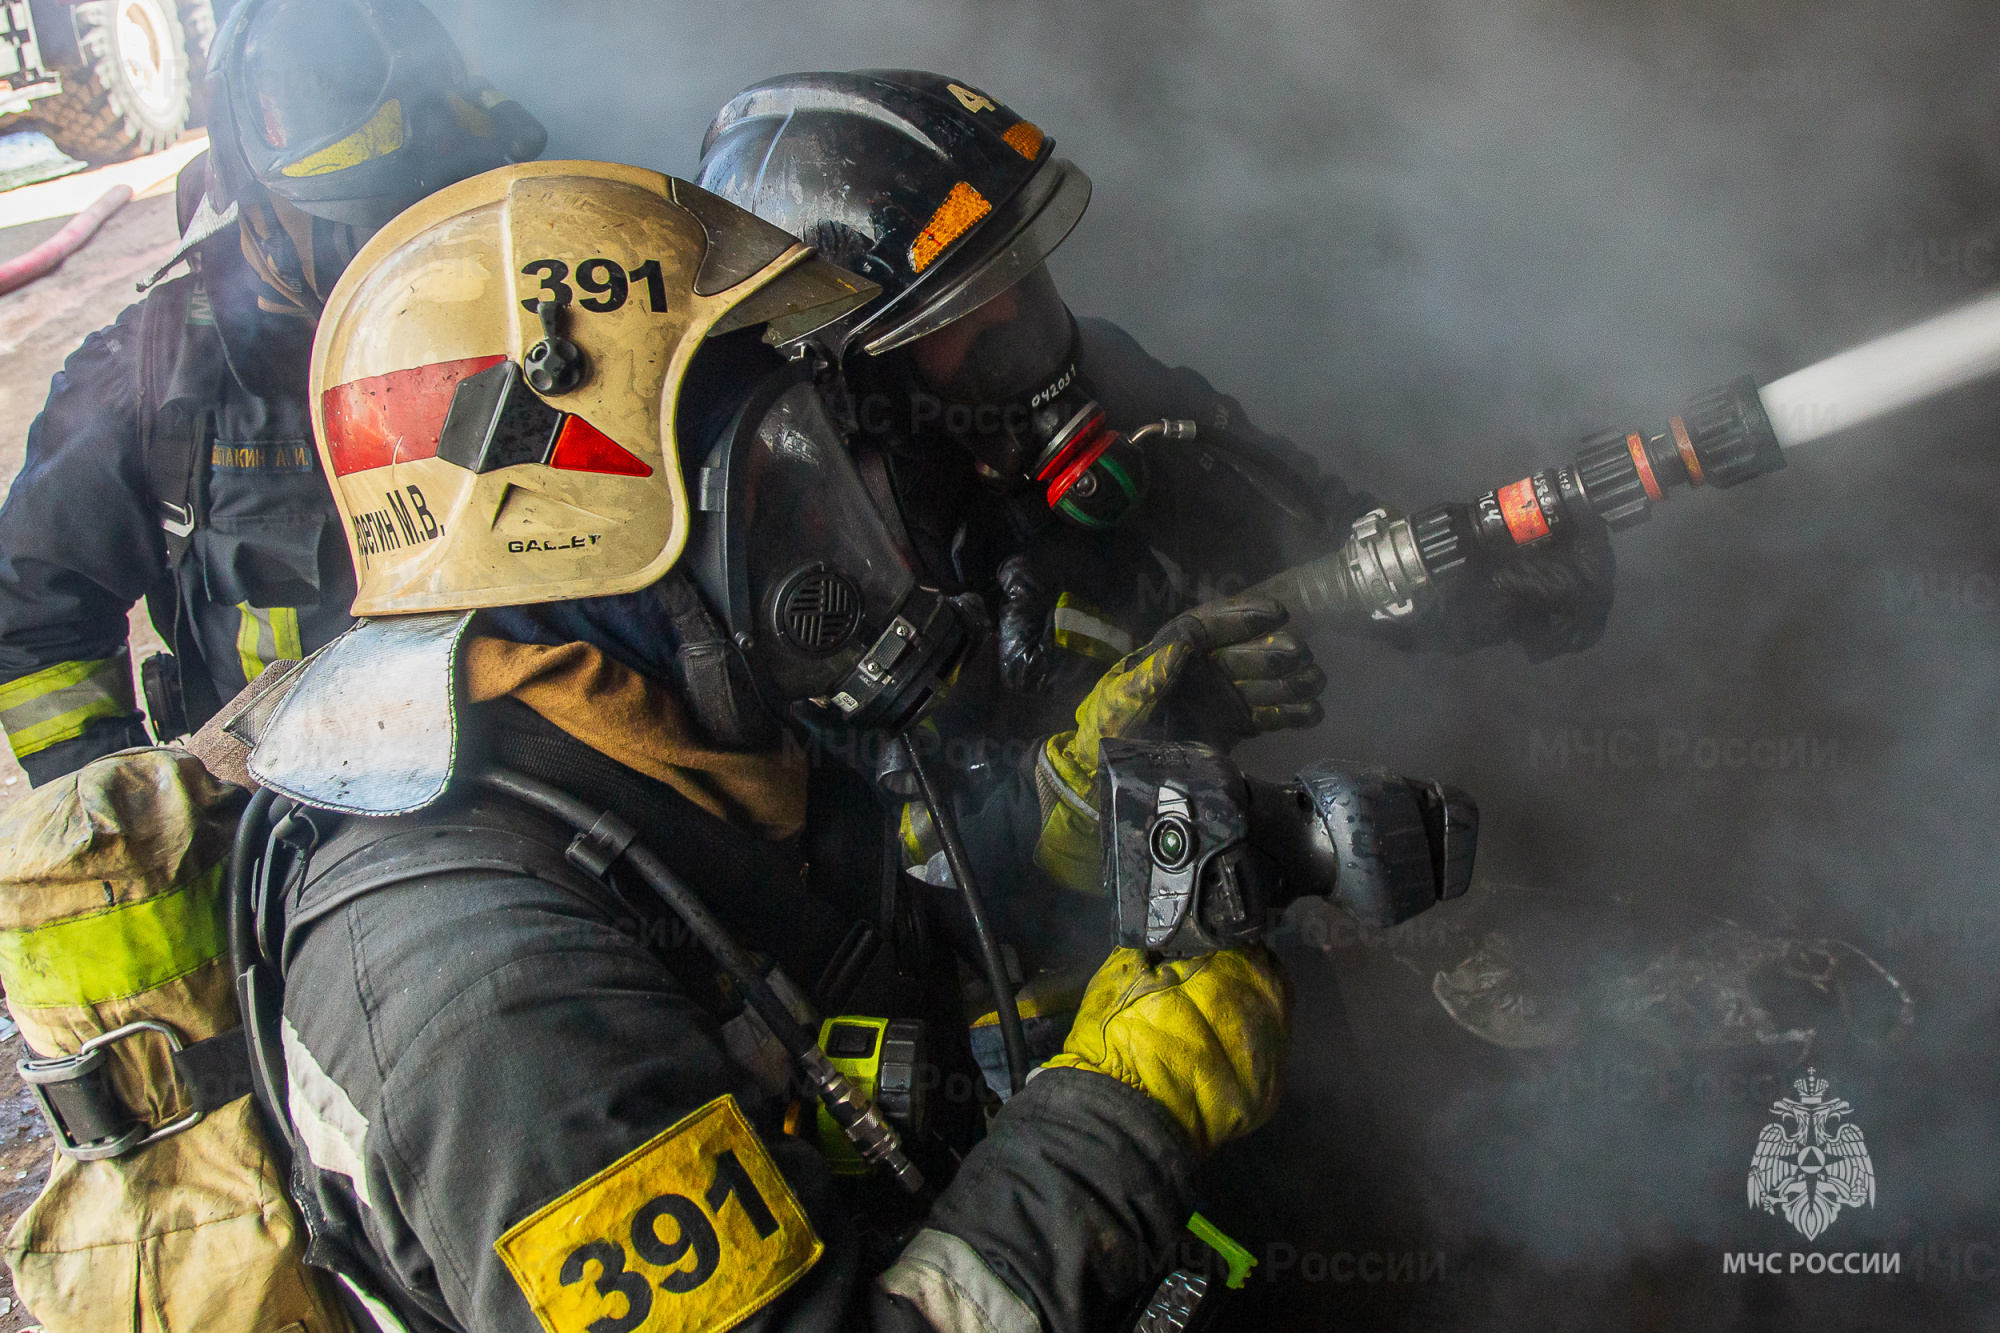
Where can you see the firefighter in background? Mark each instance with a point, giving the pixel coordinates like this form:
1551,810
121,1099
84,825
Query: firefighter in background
174,461
519,1105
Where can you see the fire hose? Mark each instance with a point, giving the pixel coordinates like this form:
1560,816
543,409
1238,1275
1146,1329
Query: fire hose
49,255
1392,566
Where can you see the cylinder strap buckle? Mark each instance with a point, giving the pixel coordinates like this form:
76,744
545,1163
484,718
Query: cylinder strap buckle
85,1115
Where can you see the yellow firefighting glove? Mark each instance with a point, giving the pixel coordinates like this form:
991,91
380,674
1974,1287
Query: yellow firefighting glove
1203,1037
1247,674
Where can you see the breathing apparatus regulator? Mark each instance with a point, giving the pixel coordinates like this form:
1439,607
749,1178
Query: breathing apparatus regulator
1004,381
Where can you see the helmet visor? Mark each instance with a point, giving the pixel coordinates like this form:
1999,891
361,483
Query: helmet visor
1024,231
1012,345
313,70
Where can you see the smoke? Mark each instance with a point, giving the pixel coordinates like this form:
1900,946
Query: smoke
1436,242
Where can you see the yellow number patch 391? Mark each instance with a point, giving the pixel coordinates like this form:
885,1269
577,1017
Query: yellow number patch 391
694,1231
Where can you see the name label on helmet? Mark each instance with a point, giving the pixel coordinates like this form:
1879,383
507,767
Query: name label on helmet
695,1230
609,282
404,520
576,543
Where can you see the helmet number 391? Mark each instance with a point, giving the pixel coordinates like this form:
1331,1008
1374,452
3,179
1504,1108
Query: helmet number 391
608,282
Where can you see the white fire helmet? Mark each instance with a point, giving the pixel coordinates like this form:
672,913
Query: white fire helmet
495,379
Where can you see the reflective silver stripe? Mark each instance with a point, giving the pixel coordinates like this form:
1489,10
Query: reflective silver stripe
947,1280
935,872
1075,622
329,1127
57,703
380,1313
1050,787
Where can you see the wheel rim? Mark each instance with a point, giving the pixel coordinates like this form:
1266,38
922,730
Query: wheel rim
145,55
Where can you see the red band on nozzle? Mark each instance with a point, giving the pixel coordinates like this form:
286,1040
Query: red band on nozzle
1523,512
1686,447
1645,466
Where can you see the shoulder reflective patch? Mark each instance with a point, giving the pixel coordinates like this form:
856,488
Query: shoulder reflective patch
694,1231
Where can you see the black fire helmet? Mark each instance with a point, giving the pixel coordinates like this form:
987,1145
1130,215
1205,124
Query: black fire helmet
917,182
352,110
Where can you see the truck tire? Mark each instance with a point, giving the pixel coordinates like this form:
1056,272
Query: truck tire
133,94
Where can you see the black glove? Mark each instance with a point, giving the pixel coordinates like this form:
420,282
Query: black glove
1262,678
1552,599
1026,642
1558,597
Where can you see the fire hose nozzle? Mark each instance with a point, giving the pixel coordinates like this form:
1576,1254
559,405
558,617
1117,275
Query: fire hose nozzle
1389,567
1722,439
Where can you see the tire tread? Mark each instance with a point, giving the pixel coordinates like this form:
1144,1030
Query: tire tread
86,119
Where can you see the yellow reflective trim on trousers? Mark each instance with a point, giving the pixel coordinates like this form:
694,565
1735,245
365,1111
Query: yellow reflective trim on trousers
266,635
57,703
121,951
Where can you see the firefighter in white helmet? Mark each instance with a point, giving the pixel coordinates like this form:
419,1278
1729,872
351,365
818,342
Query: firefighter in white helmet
563,908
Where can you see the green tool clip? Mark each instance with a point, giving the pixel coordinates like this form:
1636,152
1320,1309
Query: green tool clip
1239,1260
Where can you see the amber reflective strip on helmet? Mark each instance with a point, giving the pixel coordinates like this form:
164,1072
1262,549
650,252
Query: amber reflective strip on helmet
954,217
1025,138
267,635
121,951
381,136
57,703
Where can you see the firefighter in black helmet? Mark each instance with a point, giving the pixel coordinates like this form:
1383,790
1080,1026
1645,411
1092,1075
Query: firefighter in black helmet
175,461
951,202
1012,439
352,110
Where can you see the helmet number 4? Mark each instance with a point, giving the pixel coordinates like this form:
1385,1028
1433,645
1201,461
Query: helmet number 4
608,282
970,100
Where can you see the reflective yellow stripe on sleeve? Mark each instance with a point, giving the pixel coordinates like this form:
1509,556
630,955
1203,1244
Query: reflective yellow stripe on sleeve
267,635
121,951
1080,629
57,703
